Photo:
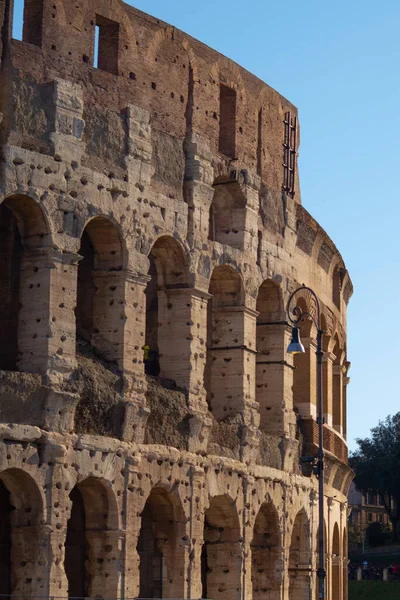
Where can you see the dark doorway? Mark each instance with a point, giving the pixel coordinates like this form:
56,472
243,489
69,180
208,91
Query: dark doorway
150,559
10,266
5,540
76,546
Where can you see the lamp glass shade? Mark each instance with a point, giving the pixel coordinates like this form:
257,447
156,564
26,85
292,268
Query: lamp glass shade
295,346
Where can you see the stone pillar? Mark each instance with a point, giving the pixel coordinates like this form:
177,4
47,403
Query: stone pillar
274,377
104,564
182,334
346,381
305,380
194,587
109,316
131,523
232,355
46,318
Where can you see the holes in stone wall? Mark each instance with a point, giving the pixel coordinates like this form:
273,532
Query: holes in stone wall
28,21
106,45
227,121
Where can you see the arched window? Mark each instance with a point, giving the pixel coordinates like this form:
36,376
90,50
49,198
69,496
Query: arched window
227,213
221,553
92,561
166,300
23,230
21,513
161,547
100,291
304,374
266,551
300,559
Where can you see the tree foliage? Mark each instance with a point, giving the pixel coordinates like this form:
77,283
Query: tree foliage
376,464
377,534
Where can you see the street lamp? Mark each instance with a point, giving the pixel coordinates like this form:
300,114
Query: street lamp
296,316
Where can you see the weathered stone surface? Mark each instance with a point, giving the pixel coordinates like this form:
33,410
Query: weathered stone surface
152,422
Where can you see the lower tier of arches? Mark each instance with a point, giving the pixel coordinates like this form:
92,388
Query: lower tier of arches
83,516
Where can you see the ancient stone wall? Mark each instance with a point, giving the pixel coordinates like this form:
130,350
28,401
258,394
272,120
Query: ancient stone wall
151,232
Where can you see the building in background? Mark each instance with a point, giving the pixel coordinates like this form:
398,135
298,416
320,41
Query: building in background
151,233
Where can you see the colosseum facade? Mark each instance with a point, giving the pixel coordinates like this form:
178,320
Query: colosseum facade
152,230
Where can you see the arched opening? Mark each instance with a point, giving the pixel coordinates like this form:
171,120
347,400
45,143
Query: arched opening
221,558
5,540
227,213
265,553
166,300
272,341
304,374
326,372
161,547
336,564
100,291
22,229
300,558
10,274
21,513
223,380
91,552
28,21
337,388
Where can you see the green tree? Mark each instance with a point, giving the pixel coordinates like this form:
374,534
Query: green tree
376,465
377,534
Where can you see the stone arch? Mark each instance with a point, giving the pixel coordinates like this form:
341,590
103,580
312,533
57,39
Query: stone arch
25,233
221,557
336,563
166,297
304,374
100,290
337,387
222,381
300,558
227,213
266,554
21,518
92,561
271,344
161,546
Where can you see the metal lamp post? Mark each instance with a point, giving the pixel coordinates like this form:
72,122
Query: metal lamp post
296,315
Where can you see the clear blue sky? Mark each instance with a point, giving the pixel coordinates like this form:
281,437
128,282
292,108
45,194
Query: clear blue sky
338,62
